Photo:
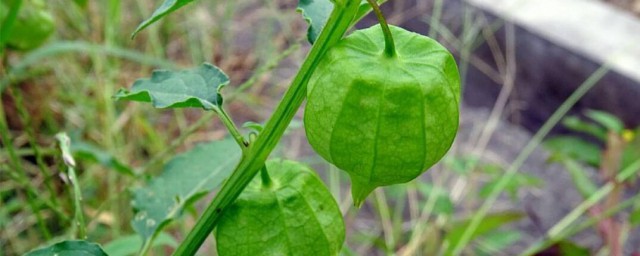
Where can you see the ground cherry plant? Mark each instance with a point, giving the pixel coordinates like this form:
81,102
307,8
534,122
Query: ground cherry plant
382,105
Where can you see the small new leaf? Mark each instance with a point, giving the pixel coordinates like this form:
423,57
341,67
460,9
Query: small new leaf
167,7
584,184
575,148
185,178
316,13
199,87
70,248
490,223
611,122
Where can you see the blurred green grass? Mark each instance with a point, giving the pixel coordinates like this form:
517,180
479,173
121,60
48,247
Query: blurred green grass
67,85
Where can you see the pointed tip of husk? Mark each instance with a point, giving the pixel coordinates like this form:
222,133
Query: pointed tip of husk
359,192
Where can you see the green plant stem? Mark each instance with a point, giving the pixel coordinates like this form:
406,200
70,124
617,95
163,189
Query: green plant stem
147,245
389,46
385,219
22,152
257,153
67,157
77,200
271,64
264,175
435,18
110,136
7,23
416,239
233,130
548,241
525,153
557,230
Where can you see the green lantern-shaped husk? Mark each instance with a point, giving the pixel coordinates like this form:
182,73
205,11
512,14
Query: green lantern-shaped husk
383,118
33,25
287,212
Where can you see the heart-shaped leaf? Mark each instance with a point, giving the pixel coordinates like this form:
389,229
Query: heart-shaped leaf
167,7
185,178
198,87
70,248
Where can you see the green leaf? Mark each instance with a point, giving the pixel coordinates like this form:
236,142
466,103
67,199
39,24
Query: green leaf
256,127
576,124
166,8
84,150
519,181
185,178
70,248
29,27
565,248
294,214
580,179
490,222
568,248
129,245
494,243
563,147
634,216
198,87
462,165
81,3
611,122
316,13
631,151
443,203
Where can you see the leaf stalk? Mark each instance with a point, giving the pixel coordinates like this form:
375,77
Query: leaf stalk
233,129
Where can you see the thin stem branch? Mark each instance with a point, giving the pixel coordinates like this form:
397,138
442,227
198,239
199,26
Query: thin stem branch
264,175
7,23
524,154
558,231
67,157
77,200
389,46
573,229
208,116
385,218
233,130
